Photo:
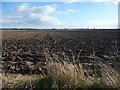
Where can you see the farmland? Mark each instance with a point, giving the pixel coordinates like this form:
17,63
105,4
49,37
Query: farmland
95,53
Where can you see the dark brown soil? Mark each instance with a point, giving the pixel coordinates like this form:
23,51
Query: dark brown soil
25,51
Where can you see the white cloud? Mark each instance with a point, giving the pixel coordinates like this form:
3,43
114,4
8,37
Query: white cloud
45,15
32,15
24,7
70,10
9,19
50,20
103,23
113,1
45,10
73,1
66,1
67,11
27,14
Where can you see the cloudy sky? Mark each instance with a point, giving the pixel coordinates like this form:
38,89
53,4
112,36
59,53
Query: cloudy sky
67,14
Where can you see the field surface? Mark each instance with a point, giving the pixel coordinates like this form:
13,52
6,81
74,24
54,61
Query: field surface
27,52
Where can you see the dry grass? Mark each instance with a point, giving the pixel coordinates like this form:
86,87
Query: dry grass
60,74
69,75
63,73
20,81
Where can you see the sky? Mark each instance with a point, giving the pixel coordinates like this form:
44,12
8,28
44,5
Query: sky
70,14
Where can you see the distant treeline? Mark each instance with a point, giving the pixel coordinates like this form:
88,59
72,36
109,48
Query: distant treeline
54,29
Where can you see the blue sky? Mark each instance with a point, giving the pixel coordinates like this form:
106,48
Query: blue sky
60,15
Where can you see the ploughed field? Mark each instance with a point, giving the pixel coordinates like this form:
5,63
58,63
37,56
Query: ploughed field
26,52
